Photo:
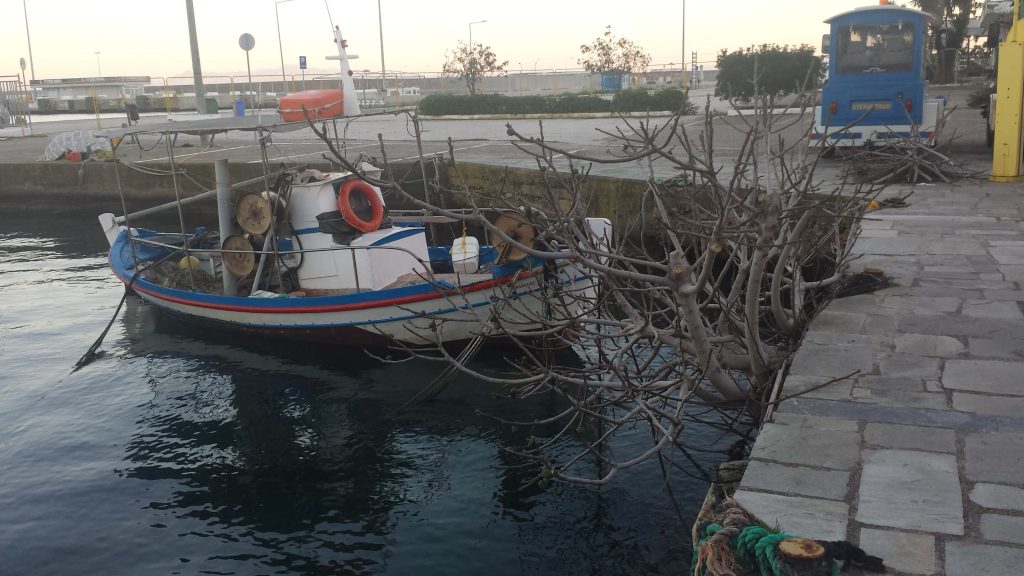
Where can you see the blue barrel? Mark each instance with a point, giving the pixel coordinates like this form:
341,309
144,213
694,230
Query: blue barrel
239,108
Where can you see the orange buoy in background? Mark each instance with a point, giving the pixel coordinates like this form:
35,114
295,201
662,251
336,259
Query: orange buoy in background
319,104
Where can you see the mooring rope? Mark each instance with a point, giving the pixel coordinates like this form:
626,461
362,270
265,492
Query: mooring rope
755,547
90,354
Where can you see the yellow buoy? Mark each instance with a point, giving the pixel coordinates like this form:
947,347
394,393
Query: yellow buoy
188,262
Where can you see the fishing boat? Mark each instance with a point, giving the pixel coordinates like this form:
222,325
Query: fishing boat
318,255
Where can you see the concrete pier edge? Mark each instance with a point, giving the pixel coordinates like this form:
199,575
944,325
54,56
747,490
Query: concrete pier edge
919,458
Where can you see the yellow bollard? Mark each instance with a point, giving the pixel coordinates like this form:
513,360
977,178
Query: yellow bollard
1007,147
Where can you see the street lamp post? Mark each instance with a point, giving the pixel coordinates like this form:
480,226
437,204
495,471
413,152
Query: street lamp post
29,38
682,67
280,49
197,67
471,32
99,71
383,70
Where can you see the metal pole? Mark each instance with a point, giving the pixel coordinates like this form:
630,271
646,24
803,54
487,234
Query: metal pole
29,38
383,74
682,66
224,213
197,68
99,71
280,48
248,87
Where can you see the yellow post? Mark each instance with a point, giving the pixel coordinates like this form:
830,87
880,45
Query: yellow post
96,106
167,99
1007,147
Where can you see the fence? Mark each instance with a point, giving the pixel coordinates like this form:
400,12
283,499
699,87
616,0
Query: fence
14,104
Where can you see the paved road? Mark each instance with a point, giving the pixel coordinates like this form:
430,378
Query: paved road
479,140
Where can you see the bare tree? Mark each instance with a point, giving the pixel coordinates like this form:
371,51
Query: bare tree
695,326
472,64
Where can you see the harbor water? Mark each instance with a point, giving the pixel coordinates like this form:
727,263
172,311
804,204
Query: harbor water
181,452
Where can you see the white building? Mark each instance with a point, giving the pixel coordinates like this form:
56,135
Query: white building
104,88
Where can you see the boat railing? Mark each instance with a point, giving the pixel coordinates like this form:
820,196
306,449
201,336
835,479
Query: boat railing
353,250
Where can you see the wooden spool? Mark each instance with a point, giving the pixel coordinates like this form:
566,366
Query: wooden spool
239,258
516,226
252,212
803,557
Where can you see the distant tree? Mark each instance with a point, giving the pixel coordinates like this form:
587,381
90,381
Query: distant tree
472,63
613,56
948,31
768,70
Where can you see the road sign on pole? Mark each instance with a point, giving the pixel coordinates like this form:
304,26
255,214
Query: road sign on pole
302,62
247,42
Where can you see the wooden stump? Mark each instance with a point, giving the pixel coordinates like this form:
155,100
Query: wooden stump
803,557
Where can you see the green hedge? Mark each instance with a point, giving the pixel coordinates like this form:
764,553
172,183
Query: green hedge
669,100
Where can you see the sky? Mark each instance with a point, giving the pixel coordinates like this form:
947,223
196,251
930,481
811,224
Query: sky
146,37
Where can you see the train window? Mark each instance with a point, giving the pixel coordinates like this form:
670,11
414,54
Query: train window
875,48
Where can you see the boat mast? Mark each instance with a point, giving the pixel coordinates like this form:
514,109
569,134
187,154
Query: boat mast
350,100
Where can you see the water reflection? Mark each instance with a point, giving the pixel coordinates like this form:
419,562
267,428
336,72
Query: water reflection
298,466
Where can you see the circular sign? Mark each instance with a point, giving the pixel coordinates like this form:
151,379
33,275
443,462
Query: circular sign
246,41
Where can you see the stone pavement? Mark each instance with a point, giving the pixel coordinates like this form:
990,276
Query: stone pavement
918,457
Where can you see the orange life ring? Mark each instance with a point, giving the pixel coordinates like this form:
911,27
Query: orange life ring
370,195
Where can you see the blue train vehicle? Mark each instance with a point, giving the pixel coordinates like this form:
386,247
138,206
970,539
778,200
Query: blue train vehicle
875,90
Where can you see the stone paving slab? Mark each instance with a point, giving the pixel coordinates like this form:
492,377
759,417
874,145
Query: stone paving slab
992,309
1001,528
973,559
826,360
985,404
819,387
1003,348
899,398
866,412
834,449
910,437
911,490
909,366
996,457
800,480
929,345
820,519
816,422
903,551
998,496
929,431
995,377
